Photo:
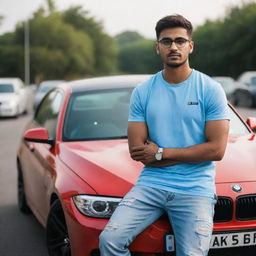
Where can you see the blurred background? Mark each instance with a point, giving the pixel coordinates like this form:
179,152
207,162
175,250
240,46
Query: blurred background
43,40
68,41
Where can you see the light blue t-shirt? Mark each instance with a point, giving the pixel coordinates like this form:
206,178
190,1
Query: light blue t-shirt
176,115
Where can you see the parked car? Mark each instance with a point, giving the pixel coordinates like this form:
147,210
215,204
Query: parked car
229,86
13,97
245,94
74,168
43,88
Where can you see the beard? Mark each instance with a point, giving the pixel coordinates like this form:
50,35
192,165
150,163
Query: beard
175,65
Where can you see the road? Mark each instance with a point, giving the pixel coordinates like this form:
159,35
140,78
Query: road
22,235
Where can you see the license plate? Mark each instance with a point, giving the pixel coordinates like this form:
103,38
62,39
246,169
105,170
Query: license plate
224,240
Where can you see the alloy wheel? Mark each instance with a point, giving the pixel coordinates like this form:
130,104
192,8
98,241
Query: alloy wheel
57,237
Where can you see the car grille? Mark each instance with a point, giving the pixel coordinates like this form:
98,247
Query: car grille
223,209
246,207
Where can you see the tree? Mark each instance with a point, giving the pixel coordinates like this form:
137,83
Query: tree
105,47
139,57
58,51
1,19
226,47
127,37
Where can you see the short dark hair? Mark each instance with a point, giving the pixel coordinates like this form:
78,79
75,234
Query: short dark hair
173,21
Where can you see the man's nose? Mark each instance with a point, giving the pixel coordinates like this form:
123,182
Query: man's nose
173,46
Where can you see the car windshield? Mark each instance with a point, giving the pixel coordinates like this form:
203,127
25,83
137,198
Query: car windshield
97,115
103,115
253,81
237,127
225,83
6,88
44,87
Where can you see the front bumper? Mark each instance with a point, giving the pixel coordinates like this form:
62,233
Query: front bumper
84,231
84,234
6,111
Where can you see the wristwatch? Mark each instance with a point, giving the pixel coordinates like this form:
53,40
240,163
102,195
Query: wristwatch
159,154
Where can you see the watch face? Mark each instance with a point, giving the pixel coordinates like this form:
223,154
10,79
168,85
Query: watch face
158,156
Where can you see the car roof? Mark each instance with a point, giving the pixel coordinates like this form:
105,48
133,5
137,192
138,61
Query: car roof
106,82
223,77
10,80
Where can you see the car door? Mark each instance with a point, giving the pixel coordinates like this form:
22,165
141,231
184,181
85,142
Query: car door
42,157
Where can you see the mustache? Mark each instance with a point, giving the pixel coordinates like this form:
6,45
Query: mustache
173,53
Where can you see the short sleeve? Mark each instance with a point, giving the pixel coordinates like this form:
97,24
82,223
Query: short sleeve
137,113
216,103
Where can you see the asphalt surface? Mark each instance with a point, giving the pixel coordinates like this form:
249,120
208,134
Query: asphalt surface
22,235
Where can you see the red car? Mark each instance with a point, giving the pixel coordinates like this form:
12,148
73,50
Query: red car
74,168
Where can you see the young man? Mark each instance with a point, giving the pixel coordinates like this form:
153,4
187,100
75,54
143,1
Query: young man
178,125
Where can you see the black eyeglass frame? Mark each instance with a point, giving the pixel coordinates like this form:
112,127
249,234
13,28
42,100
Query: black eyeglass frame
175,40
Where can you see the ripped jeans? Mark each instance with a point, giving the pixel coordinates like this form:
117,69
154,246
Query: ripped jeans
191,218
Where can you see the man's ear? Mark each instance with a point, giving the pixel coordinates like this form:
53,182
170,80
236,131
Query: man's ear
157,48
191,47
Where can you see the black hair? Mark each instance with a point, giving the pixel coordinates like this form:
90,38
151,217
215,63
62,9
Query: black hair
173,21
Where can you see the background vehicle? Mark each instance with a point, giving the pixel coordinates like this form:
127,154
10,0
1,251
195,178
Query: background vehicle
229,86
245,94
13,97
74,168
42,90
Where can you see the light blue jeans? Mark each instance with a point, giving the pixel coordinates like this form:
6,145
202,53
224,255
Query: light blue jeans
191,218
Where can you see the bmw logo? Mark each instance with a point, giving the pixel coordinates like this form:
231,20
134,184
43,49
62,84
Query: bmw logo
236,188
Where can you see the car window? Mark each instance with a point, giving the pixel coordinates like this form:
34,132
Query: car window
6,88
97,115
104,115
237,127
253,80
48,112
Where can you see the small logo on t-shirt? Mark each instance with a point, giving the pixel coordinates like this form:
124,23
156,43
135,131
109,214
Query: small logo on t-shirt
192,103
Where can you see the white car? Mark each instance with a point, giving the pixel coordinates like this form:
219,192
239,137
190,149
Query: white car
13,97
43,88
229,86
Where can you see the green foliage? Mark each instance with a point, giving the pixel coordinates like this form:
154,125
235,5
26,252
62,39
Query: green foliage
58,51
51,6
63,45
1,19
226,47
128,37
139,57
11,61
105,47
72,44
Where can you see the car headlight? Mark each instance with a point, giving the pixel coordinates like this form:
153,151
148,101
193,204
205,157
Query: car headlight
96,206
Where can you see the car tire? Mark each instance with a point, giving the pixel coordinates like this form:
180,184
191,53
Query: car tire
22,201
57,238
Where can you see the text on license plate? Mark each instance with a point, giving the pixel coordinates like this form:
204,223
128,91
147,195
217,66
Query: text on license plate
224,240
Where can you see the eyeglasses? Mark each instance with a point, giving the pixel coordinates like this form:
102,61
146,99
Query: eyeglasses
180,42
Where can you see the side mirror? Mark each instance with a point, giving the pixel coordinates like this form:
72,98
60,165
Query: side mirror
39,135
251,121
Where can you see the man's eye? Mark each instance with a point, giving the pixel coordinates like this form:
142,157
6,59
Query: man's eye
166,42
180,41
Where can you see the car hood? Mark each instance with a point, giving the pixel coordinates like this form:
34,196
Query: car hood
239,161
7,96
104,165
107,167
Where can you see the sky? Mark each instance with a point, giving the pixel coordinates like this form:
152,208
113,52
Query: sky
119,15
